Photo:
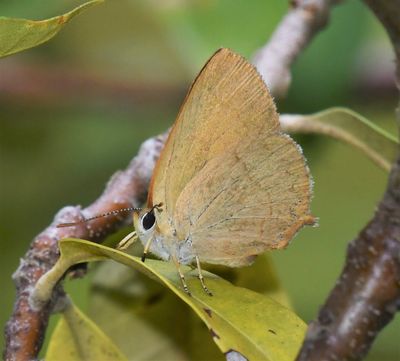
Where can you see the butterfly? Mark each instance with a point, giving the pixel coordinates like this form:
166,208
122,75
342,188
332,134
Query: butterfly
228,185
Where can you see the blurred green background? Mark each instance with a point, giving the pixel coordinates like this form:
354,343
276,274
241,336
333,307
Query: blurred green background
75,110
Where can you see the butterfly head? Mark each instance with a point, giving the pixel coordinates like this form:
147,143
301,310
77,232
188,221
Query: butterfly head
145,222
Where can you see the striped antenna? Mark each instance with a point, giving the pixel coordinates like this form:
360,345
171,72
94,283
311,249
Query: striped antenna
84,220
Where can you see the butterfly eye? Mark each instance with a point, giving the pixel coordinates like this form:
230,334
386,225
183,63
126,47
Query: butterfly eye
148,221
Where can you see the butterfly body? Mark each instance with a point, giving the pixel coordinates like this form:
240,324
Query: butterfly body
163,243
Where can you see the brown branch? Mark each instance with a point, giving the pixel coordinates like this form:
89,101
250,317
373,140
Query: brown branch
293,34
57,85
367,294
26,327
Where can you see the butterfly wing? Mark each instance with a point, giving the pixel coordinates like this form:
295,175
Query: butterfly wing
227,102
250,199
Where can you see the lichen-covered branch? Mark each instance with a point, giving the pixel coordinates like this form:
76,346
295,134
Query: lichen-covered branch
367,294
304,19
25,330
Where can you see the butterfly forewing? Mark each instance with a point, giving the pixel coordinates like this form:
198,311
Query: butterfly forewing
227,102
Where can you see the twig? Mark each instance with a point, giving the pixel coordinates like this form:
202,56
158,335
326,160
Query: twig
348,129
57,85
25,329
367,294
295,31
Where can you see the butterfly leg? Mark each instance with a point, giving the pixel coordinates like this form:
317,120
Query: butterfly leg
146,249
182,277
127,241
201,278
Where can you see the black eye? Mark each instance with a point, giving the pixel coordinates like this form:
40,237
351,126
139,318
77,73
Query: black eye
148,220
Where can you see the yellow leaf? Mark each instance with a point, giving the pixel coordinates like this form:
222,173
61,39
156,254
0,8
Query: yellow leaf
239,319
137,312
77,338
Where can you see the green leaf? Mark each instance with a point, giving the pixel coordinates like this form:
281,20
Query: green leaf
77,338
239,319
20,34
349,127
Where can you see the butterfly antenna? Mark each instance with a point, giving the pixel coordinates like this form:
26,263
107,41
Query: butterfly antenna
158,207
84,220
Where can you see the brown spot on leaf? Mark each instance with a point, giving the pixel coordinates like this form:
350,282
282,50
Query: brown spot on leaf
271,331
61,19
214,334
208,312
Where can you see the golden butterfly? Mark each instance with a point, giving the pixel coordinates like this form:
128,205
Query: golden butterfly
228,185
